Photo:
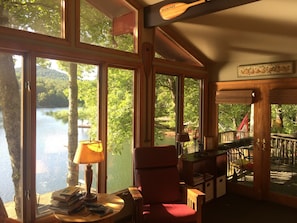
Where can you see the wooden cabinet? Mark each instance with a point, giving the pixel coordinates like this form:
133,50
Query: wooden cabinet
206,171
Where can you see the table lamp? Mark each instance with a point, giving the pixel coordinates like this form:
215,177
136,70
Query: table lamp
89,152
182,138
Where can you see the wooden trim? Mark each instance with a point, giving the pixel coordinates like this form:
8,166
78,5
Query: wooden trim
124,24
285,96
235,97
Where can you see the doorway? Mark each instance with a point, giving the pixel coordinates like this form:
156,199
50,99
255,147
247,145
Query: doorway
273,147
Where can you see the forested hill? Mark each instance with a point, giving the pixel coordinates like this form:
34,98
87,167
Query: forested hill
52,74
51,87
47,73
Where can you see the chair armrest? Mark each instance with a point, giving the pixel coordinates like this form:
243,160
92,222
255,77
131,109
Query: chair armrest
138,204
195,200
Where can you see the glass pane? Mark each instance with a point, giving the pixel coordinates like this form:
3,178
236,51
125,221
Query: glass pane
236,136
192,90
65,114
283,165
11,75
120,129
165,109
37,16
100,26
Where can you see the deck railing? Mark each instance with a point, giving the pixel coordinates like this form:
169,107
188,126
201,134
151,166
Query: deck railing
283,148
240,150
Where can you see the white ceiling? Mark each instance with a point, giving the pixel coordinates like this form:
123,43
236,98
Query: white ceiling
261,31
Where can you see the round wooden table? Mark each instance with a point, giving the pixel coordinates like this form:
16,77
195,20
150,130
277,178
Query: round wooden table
109,200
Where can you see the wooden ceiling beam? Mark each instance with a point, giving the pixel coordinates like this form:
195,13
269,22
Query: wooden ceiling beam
153,18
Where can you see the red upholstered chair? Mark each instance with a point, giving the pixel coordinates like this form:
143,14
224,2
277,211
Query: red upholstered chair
158,194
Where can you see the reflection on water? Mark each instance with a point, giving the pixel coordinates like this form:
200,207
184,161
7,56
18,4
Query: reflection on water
6,186
51,156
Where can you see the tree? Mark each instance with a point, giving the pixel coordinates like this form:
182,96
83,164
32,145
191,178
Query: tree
72,178
10,103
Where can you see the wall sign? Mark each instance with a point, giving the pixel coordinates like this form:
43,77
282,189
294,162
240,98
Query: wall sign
252,70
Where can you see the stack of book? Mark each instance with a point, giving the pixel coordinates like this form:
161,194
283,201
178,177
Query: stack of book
67,201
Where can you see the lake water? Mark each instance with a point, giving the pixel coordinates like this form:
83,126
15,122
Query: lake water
51,157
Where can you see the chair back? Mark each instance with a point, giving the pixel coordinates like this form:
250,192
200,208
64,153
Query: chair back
156,174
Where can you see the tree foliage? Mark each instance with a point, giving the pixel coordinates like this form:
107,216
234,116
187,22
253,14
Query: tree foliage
192,104
50,93
120,108
231,115
165,105
284,118
39,16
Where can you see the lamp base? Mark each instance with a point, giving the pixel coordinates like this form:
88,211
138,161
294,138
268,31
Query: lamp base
90,197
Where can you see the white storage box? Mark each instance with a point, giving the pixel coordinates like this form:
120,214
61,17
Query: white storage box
209,190
221,186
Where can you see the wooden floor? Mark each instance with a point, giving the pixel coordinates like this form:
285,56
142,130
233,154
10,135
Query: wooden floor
232,208
238,209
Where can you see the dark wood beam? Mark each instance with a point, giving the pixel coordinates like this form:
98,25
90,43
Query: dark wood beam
153,18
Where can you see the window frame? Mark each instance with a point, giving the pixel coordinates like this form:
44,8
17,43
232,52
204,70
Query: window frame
33,45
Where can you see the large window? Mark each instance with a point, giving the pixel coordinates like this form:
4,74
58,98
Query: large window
192,113
66,113
37,16
120,129
165,109
11,76
102,25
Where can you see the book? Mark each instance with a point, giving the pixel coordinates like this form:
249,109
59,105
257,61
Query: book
65,194
69,191
74,199
77,206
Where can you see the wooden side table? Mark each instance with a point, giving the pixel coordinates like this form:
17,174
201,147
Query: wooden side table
109,200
